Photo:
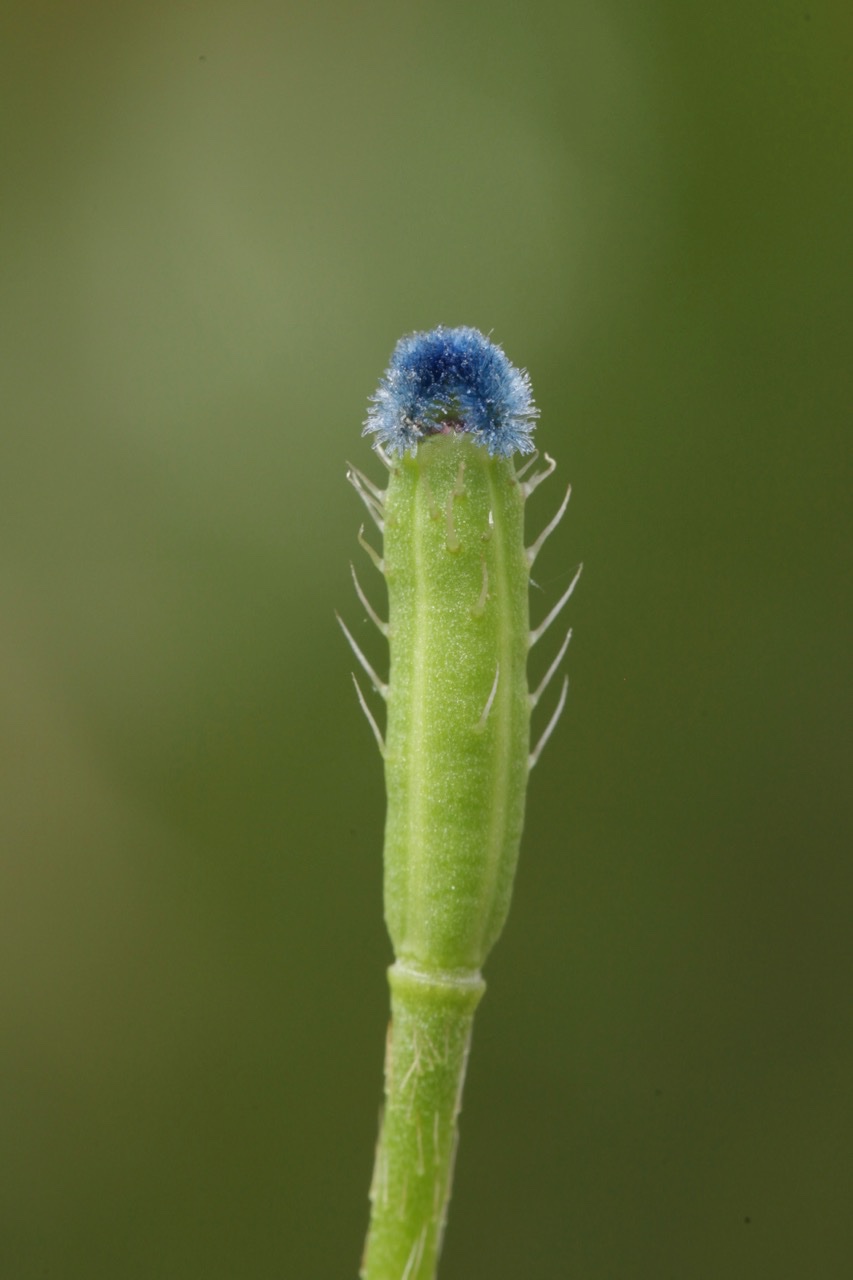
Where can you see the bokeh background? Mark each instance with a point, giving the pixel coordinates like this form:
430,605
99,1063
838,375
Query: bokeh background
216,220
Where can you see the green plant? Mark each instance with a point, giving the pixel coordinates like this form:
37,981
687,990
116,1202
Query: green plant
450,413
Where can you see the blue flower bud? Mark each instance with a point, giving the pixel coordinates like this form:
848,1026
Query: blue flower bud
452,380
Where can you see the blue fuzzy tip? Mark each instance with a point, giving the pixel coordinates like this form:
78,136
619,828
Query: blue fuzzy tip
452,380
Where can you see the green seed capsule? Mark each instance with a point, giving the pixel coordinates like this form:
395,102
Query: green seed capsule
457,742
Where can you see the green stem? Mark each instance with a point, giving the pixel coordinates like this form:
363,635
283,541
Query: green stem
426,1054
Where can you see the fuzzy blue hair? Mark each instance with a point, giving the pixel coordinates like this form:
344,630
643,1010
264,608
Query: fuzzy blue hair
452,380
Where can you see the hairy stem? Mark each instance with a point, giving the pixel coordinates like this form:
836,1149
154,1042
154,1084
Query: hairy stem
426,1055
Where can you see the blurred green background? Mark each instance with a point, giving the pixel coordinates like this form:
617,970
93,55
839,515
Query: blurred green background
216,221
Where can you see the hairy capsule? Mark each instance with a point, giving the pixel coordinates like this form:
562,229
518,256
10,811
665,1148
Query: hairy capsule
458,735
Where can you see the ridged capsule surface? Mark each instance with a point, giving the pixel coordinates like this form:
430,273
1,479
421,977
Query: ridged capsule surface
458,728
